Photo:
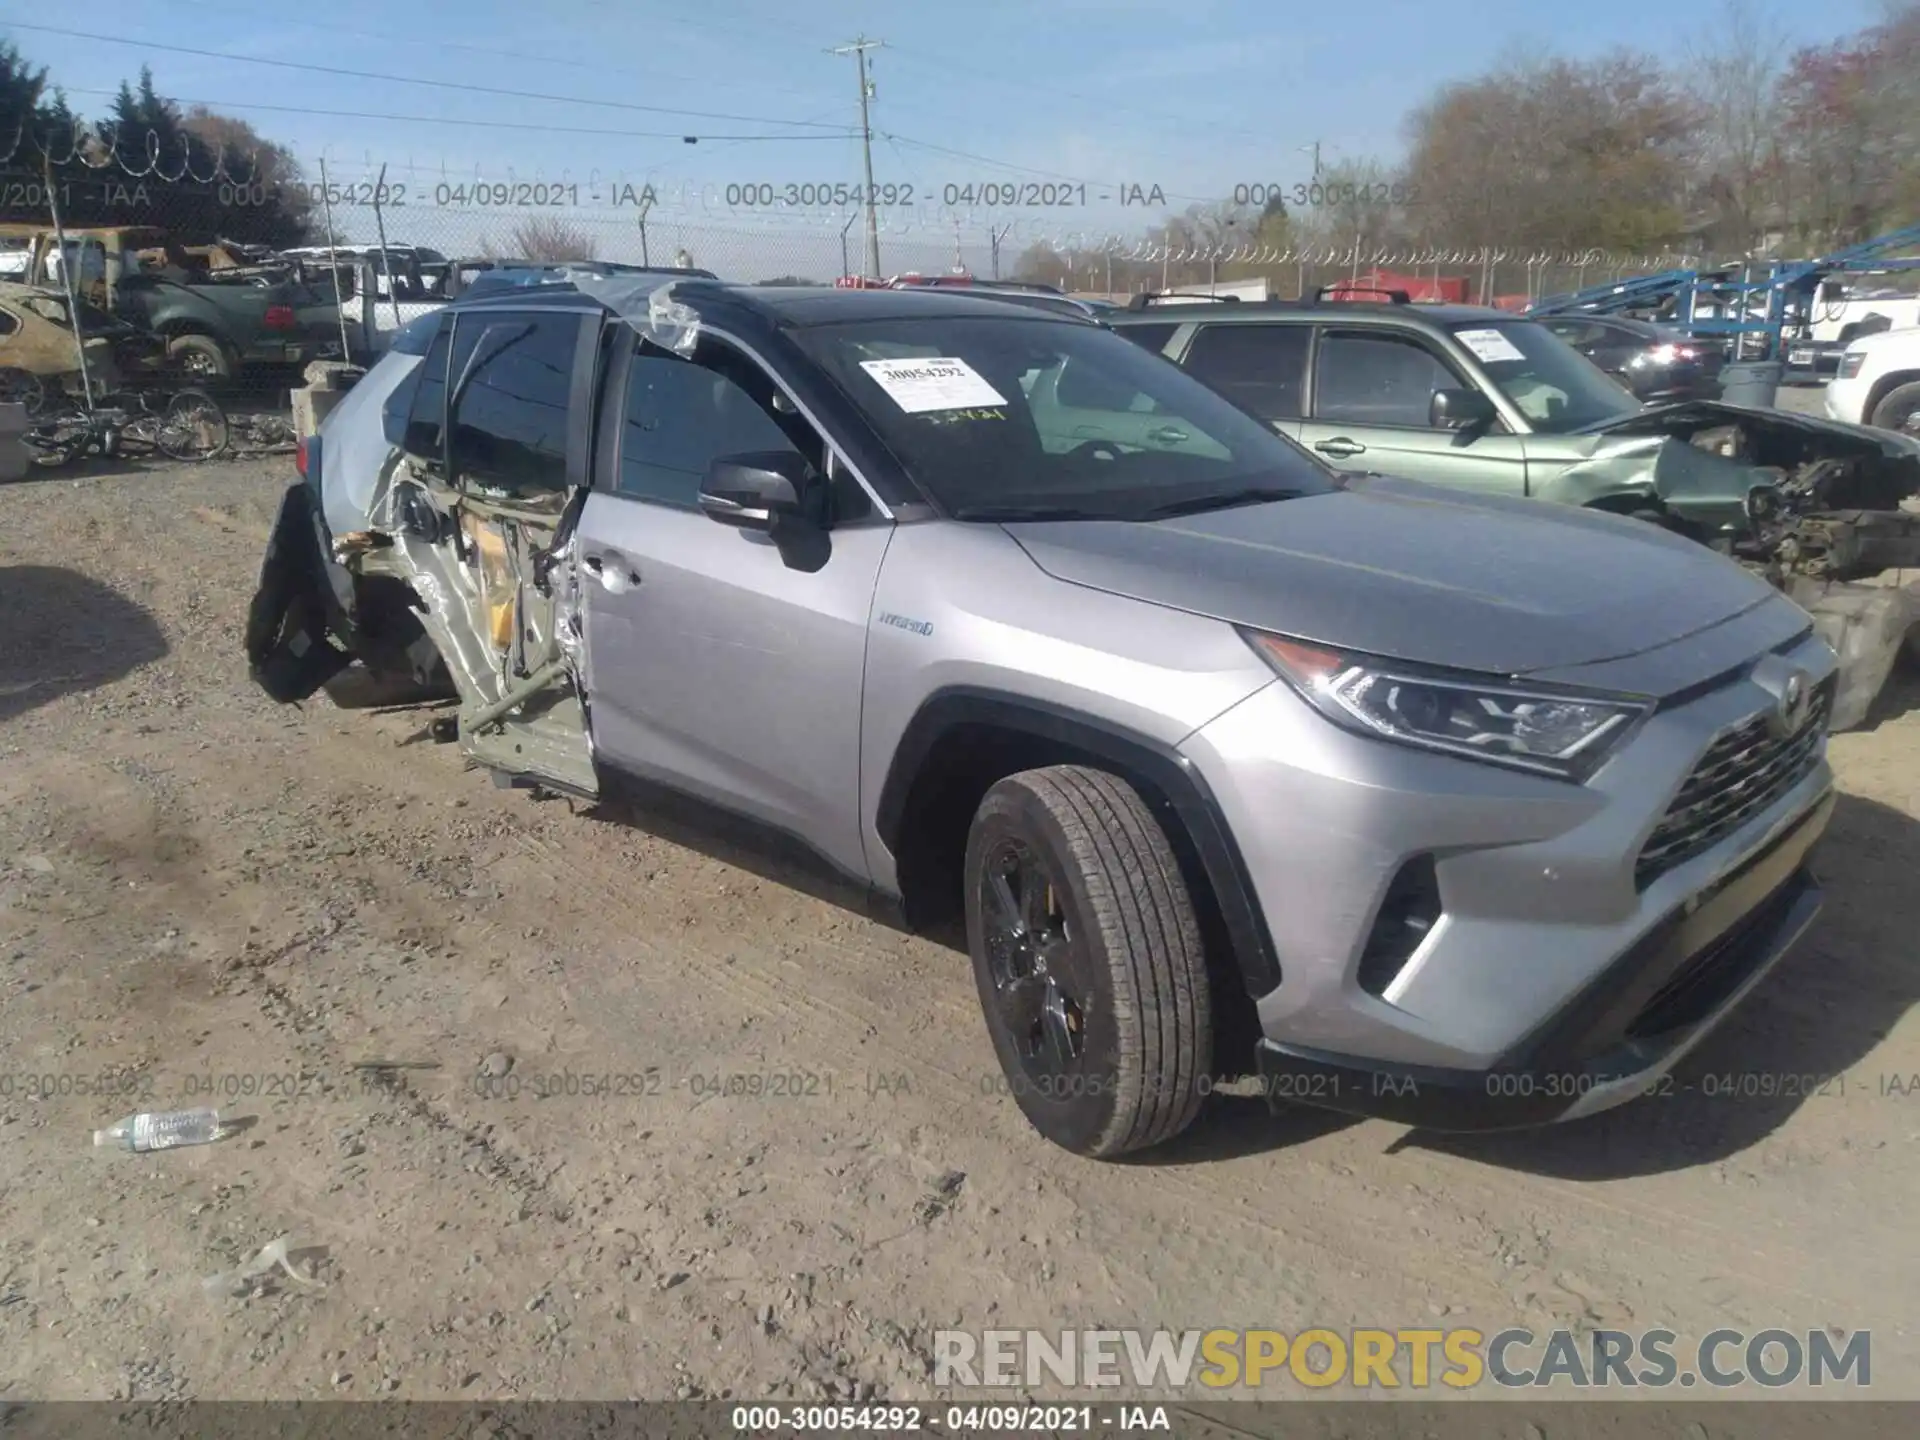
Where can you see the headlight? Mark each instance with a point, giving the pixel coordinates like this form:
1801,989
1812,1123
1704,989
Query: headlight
1561,733
1851,362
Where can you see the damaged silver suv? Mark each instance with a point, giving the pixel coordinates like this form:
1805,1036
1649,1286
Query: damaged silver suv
1453,809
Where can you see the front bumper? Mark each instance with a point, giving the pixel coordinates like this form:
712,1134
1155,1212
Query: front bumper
1537,983
1613,1042
1846,400
280,352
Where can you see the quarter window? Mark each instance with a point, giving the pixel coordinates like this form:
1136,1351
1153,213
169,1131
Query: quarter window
1259,367
426,416
1148,337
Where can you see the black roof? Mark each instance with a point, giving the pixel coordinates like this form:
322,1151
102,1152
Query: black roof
1277,309
796,305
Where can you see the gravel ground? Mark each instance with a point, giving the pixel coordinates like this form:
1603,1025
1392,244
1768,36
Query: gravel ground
216,898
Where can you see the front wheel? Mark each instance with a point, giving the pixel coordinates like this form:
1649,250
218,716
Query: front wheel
1898,407
192,427
1088,959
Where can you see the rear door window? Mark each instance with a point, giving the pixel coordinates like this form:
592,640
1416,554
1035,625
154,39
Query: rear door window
1259,367
510,403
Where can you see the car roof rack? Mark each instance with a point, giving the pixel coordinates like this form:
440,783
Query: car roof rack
1147,297
1397,297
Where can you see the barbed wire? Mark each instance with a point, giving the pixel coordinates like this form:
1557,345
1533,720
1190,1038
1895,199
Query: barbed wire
100,147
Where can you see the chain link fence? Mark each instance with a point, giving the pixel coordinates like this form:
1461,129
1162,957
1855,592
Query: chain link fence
229,219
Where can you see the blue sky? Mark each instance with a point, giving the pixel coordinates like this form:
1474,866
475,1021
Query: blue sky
1194,96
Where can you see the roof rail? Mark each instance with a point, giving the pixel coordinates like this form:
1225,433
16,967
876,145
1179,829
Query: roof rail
1397,297
1147,297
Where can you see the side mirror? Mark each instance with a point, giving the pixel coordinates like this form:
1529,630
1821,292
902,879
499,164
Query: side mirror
1459,410
753,491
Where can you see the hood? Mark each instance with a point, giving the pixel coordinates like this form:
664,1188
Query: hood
1415,572
1688,417
1899,335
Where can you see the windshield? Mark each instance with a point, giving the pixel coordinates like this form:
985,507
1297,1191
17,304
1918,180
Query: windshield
1556,387
1028,418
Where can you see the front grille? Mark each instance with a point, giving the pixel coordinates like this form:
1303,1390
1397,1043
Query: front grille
1743,772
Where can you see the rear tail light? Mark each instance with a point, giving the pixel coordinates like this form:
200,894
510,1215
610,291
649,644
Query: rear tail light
306,459
300,458
281,317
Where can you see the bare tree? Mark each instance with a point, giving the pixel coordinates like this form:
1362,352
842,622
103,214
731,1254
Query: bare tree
1734,79
543,237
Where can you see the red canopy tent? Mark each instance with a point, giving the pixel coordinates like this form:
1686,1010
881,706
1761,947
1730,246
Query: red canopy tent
1449,289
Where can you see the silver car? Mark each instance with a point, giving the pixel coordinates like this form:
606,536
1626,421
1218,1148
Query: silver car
1458,810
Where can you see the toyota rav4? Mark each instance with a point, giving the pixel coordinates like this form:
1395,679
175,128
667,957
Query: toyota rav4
1455,809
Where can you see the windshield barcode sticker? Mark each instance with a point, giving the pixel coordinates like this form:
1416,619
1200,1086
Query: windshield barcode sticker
1489,345
938,383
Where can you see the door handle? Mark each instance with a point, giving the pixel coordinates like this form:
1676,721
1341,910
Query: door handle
1340,446
1167,435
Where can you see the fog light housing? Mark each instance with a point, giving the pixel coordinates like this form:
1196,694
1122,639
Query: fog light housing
1408,912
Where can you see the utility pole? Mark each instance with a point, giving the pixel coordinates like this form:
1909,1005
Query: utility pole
846,265
1314,150
858,49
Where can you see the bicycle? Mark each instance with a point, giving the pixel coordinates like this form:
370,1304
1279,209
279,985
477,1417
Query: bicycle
189,426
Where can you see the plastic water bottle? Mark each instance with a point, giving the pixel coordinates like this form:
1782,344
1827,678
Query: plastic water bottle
161,1130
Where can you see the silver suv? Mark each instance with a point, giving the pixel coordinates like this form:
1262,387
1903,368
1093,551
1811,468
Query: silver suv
1457,810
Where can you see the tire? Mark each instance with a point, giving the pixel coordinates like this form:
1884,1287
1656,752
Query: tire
193,427
201,356
1126,974
1897,406
59,440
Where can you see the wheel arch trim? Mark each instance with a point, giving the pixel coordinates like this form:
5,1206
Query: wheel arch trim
1157,766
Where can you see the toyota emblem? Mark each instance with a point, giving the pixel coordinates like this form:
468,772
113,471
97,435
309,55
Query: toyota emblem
1793,703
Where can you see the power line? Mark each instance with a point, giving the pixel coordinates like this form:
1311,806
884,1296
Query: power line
1106,105
236,105
409,79
438,44
1022,169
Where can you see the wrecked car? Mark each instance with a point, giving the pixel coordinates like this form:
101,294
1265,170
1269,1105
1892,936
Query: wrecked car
212,321
1407,799
1485,401
39,358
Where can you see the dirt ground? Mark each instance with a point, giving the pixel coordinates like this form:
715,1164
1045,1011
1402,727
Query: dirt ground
225,901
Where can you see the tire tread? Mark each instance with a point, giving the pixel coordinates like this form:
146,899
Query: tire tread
1150,941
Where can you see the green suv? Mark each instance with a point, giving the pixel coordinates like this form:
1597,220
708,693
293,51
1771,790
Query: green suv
1476,398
